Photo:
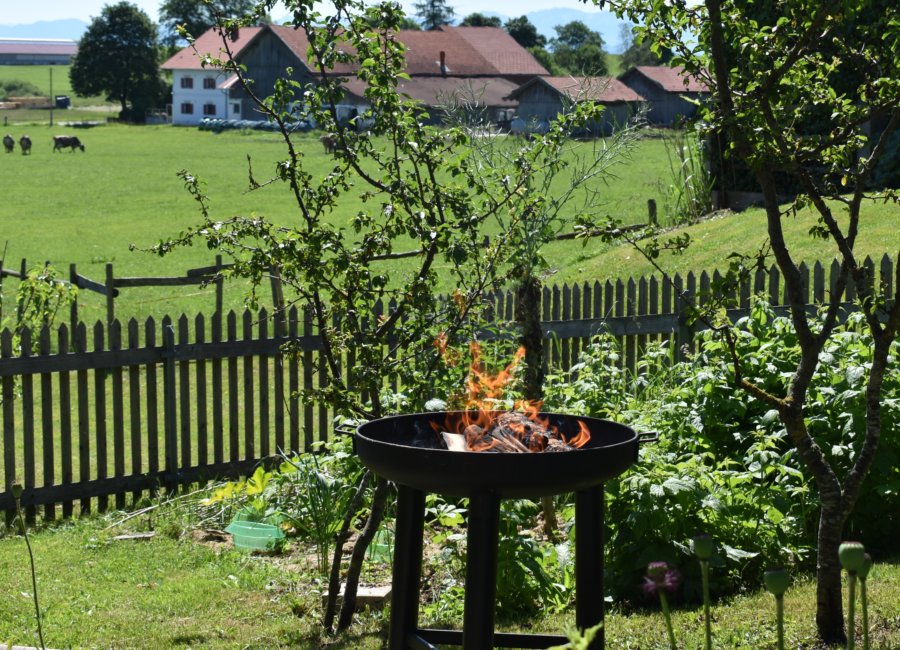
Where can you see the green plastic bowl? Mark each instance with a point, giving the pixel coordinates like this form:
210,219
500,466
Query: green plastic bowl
253,536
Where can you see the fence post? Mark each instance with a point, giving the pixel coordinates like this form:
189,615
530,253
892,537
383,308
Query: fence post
110,291
169,408
684,331
73,279
219,287
278,297
651,209
23,270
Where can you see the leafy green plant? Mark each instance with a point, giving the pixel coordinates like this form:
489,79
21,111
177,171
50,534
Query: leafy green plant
41,296
777,581
580,640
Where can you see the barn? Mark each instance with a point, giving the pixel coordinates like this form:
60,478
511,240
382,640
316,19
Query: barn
541,99
669,92
37,51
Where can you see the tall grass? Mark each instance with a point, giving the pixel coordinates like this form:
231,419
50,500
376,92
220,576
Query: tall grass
689,195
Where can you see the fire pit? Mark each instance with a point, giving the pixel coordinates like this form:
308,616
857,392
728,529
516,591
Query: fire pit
386,446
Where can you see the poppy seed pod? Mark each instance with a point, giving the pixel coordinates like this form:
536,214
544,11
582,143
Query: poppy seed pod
777,580
17,490
703,546
852,556
656,571
866,567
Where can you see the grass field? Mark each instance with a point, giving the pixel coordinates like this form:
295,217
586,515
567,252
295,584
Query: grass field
172,592
39,75
88,207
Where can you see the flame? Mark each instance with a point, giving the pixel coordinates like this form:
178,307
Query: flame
485,388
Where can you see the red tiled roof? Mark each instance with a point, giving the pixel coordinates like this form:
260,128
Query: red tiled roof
468,51
600,89
426,89
500,49
209,43
671,79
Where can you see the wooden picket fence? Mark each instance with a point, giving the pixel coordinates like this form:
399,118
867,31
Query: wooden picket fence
123,413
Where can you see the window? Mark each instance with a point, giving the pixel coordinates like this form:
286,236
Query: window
209,109
187,108
236,109
209,83
187,82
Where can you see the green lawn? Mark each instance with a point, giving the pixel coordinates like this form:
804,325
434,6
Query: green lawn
173,592
124,190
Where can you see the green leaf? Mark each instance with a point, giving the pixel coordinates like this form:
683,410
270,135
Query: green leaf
737,554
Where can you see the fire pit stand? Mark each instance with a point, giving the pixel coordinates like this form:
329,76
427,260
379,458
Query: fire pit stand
486,478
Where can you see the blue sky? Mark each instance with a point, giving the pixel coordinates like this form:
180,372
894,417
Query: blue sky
28,12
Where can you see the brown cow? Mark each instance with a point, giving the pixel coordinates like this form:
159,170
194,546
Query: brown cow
9,143
60,141
329,141
25,143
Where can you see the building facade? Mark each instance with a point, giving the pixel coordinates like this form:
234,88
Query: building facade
199,92
670,94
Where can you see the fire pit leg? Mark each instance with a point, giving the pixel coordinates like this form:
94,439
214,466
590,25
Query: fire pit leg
481,572
589,590
410,526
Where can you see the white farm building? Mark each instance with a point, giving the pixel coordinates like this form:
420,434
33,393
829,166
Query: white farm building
199,92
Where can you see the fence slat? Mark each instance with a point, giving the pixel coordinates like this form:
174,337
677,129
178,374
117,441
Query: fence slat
620,312
546,300
9,422
745,293
294,380
152,401
576,315
100,417
704,295
115,343
84,418
184,395
653,307
263,387
666,308
587,297
887,277
566,315
201,392
65,419
134,395
249,436
278,388
308,407
555,315
818,283
678,307
28,421
630,307
170,405
47,442
218,395
804,283
642,309
833,277
774,286
233,408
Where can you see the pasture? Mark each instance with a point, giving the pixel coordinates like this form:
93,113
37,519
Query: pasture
87,208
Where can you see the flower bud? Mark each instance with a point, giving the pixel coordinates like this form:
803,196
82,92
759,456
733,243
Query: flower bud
17,490
866,567
777,580
656,571
703,546
852,556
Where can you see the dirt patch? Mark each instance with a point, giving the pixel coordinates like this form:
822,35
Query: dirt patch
214,540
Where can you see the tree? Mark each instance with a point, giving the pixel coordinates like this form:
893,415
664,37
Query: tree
480,20
417,191
197,16
118,56
578,50
434,13
546,59
525,33
634,53
408,24
768,78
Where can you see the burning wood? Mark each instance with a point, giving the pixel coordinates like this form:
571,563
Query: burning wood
506,432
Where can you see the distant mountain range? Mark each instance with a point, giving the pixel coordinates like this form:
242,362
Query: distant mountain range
545,20
68,28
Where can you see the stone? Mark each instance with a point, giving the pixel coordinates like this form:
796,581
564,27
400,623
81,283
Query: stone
371,597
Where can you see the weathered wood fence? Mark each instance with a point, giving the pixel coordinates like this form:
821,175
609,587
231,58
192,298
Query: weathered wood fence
122,410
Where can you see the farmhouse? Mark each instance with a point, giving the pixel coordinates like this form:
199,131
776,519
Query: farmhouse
31,51
199,92
668,91
439,62
542,98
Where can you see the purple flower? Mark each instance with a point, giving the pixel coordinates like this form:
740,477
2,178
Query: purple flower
661,577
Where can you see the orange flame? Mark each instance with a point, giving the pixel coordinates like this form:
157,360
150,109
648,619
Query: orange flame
479,418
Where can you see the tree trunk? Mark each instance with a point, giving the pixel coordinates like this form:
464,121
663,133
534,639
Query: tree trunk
348,606
829,601
528,314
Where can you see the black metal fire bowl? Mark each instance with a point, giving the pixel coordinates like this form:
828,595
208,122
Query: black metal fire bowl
385,447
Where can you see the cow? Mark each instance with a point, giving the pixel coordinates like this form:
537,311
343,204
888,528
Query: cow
60,141
329,141
25,143
9,143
